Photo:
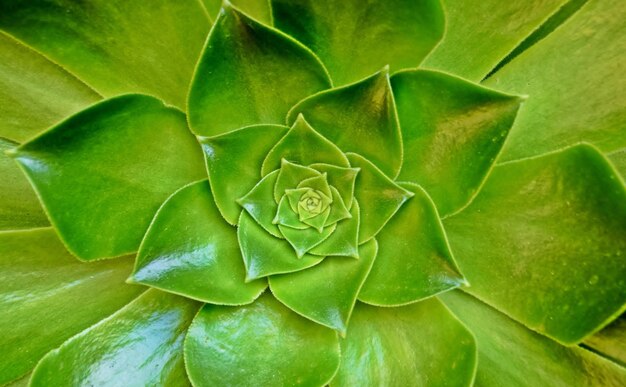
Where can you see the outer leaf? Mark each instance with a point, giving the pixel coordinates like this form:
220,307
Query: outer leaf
415,260
511,355
34,92
141,344
190,250
303,145
360,118
126,155
610,342
116,46
265,255
344,241
544,242
303,241
326,293
41,282
234,160
355,40
480,33
258,9
249,74
259,344
19,206
378,196
452,131
420,344
260,204
580,58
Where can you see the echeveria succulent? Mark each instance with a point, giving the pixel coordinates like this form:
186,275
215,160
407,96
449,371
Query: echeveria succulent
312,192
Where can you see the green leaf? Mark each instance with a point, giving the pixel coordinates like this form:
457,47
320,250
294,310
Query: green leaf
544,242
286,216
260,204
126,155
19,206
141,344
610,342
304,240
343,179
303,145
265,255
318,183
261,344
190,250
338,211
480,33
46,296
344,241
234,162
21,382
289,176
452,131
580,59
326,293
618,158
355,40
511,355
35,92
415,260
360,118
258,9
420,344
116,46
249,74
378,196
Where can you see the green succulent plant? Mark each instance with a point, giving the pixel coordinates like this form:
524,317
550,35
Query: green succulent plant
312,192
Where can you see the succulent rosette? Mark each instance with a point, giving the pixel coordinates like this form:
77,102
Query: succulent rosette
312,192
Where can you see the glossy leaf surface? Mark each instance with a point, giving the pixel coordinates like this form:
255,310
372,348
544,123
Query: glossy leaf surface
452,131
304,145
116,46
34,92
359,118
190,250
378,196
19,206
544,242
510,354
249,74
141,344
414,259
265,255
581,58
326,293
127,155
354,40
42,282
263,343
480,33
234,163
421,344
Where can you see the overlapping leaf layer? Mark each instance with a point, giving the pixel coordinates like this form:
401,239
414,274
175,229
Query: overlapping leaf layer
338,202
